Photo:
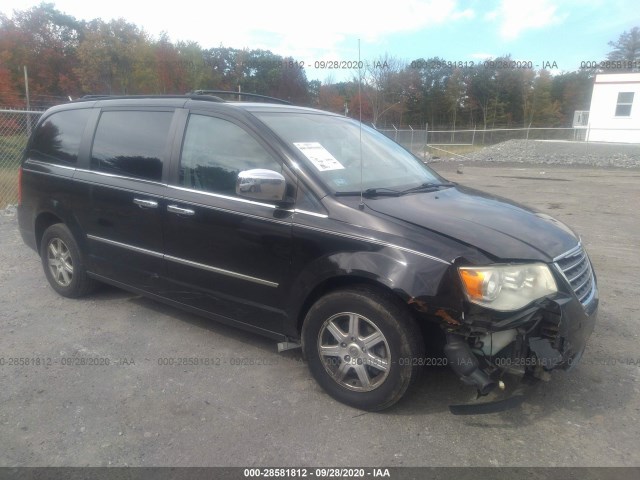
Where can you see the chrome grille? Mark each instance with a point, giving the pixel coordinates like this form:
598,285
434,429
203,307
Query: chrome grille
576,268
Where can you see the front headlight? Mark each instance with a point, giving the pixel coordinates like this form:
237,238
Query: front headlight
507,287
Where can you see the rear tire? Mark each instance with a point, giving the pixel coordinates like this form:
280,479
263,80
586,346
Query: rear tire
363,347
63,264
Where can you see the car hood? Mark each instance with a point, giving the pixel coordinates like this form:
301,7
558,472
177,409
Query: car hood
501,228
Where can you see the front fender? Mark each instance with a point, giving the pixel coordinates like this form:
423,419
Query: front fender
416,279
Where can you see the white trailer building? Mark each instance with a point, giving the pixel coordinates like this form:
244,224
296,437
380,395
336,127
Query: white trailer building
614,115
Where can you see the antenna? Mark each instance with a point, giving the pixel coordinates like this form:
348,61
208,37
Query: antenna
361,205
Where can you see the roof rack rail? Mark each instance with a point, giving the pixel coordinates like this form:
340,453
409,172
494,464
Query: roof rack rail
209,98
239,94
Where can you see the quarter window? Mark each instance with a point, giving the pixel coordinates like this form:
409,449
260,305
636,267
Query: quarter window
58,138
625,101
215,151
131,143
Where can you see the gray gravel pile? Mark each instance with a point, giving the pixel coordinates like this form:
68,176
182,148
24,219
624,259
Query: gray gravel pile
555,152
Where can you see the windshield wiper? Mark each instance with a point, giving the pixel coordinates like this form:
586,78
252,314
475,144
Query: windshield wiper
373,192
390,192
427,186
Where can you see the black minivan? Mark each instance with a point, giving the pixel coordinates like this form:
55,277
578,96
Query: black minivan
309,228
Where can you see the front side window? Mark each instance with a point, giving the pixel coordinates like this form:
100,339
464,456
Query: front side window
215,151
131,143
347,157
624,104
58,138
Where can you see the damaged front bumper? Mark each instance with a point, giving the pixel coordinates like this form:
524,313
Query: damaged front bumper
499,353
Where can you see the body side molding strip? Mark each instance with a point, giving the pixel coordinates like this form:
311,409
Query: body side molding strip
183,261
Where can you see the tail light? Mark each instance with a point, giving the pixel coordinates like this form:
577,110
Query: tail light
20,186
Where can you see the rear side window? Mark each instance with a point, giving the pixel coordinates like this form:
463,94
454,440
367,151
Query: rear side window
131,143
58,138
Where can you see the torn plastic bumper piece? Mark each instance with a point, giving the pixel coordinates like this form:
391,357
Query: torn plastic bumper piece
548,356
466,365
513,396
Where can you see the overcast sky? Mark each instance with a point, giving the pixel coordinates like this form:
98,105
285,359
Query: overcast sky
562,31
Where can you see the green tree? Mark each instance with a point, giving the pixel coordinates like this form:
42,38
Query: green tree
572,91
433,75
330,99
44,40
10,95
455,95
198,73
412,96
514,95
483,91
627,48
544,110
314,92
382,78
291,84
171,72
115,59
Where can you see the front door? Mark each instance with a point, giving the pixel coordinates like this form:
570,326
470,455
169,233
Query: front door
225,254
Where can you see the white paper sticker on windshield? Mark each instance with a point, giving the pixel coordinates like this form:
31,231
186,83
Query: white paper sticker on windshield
319,156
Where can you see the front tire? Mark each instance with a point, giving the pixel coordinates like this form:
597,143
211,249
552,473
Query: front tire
62,262
362,345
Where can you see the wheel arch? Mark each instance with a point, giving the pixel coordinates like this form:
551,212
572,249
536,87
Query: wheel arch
331,284
43,221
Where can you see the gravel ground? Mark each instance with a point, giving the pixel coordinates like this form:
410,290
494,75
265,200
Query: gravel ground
555,152
138,412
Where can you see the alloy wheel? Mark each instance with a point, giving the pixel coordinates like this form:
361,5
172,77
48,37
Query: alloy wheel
60,262
354,351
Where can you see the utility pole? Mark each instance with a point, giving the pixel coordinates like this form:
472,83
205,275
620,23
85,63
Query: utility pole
26,89
26,85
240,64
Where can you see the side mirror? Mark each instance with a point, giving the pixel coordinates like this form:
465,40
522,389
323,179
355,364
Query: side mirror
262,185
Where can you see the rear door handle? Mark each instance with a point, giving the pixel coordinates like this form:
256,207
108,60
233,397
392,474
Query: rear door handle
145,203
180,211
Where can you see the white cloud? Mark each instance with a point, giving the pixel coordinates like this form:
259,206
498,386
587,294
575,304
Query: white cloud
467,14
517,16
299,28
491,15
316,29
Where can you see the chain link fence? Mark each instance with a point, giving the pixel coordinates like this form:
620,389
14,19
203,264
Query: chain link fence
15,128
498,135
422,141
414,140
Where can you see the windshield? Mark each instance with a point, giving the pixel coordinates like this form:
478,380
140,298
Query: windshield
330,146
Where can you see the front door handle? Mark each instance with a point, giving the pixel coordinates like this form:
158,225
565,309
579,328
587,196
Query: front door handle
145,203
180,211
